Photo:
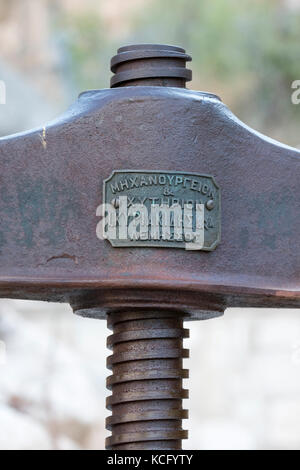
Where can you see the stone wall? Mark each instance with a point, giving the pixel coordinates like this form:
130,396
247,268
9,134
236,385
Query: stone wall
244,385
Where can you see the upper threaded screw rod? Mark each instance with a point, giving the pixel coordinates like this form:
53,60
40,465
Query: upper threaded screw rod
150,65
146,383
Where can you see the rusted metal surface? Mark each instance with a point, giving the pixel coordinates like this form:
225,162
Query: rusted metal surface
51,185
51,182
169,189
150,64
147,393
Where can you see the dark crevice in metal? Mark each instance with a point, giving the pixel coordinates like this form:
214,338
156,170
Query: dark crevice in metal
146,380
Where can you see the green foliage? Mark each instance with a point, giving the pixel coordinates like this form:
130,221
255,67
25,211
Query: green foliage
86,48
246,51
249,50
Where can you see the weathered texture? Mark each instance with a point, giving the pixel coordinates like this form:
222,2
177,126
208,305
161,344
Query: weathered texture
172,189
146,384
150,64
52,185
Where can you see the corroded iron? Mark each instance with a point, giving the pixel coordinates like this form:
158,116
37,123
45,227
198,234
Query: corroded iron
146,380
165,189
52,184
150,64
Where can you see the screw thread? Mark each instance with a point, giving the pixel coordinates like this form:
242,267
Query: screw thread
150,65
146,380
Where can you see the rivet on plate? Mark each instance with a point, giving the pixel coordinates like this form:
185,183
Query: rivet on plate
210,204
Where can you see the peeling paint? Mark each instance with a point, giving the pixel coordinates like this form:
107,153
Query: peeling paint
43,138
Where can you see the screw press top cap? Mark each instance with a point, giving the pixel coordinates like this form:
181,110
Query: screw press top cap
150,64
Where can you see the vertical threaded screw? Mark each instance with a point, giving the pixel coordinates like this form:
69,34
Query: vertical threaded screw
146,380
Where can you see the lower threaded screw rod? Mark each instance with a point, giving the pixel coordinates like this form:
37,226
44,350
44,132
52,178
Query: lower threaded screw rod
146,380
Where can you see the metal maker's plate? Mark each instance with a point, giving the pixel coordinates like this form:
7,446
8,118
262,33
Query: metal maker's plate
165,189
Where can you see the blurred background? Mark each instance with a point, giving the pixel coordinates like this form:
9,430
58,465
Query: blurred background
245,367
